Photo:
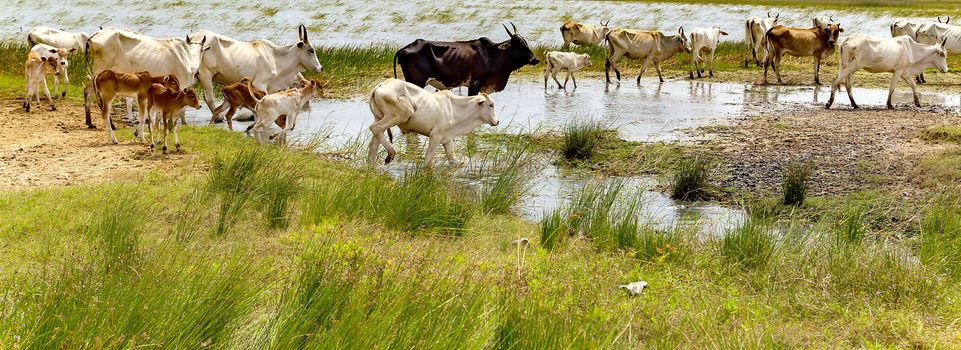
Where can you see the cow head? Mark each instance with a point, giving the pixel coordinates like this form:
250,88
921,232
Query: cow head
603,30
941,56
830,33
485,108
61,57
308,57
683,40
584,60
190,97
517,49
316,88
196,50
945,22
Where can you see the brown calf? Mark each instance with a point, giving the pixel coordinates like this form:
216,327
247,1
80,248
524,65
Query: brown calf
35,69
110,84
170,102
240,95
797,42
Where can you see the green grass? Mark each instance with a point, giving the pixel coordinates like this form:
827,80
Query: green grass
690,179
950,133
794,185
580,139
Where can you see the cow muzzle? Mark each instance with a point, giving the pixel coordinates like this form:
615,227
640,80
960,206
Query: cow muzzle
495,123
534,61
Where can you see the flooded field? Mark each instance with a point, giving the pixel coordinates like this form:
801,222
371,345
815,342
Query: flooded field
374,22
653,111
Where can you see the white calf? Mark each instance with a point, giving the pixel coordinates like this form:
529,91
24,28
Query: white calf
35,69
60,55
704,40
441,116
288,103
568,61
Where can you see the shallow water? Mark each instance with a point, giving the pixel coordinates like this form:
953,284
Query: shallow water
380,21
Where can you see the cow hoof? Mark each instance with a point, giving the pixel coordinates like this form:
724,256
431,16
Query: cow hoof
855,106
828,105
64,94
91,126
388,159
712,74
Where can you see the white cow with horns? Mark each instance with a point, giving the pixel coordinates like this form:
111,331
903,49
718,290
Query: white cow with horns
126,51
901,55
57,38
441,116
755,41
270,67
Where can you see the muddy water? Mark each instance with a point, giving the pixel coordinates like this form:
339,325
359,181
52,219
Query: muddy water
380,21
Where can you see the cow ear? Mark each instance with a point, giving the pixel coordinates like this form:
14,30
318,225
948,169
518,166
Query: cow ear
840,30
53,50
72,50
504,46
723,32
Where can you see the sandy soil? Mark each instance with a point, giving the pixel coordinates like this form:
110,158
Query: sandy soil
54,148
849,150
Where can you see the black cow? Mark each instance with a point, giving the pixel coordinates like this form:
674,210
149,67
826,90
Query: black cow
481,65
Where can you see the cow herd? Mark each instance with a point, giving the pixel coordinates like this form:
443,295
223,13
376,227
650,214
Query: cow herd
159,73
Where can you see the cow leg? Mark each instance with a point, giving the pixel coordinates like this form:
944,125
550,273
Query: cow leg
229,117
176,137
107,123
894,81
712,62
847,86
546,73
566,78
817,69
449,151
921,78
571,74
647,61
66,83
207,81
690,70
431,149
141,118
554,75
611,63
777,67
914,89
167,118
378,128
89,94
657,68
46,91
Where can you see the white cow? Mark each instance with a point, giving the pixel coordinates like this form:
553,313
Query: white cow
755,29
910,28
441,116
60,56
271,67
901,55
568,61
57,38
937,33
704,40
126,51
823,21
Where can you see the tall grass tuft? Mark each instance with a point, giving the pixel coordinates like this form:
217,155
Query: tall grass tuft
795,183
421,201
750,246
851,228
941,236
689,181
508,178
117,227
254,174
552,230
581,138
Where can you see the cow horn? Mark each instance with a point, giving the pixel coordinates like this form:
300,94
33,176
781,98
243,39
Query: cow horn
831,18
513,26
939,19
508,30
944,41
769,14
188,38
302,31
778,15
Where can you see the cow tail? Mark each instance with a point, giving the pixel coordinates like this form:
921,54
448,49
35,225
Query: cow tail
30,40
395,63
768,47
607,60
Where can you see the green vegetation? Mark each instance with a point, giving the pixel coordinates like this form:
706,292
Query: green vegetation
949,133
690,179
794,185
909,7
580,139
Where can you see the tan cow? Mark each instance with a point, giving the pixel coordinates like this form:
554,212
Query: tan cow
584,34
110,84
34,71
798,42
647,45
171,102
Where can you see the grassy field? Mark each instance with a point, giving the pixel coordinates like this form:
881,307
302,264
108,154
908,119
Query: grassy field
260,247
910,7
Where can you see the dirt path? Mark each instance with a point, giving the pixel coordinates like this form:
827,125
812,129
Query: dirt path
54,148
849,150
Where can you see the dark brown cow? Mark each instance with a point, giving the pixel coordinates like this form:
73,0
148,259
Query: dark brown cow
798,42
481,65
